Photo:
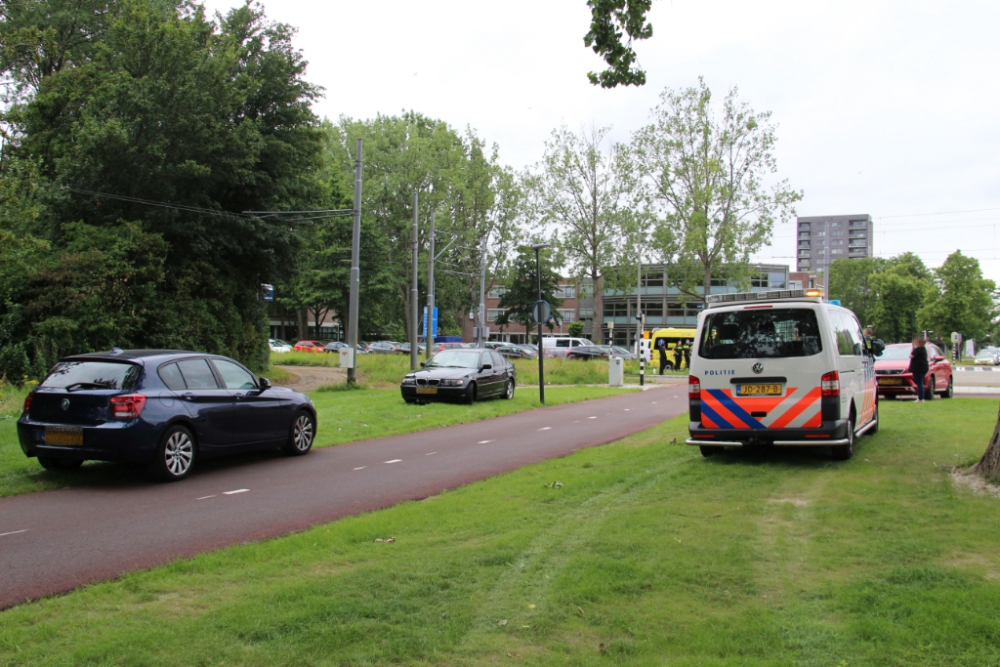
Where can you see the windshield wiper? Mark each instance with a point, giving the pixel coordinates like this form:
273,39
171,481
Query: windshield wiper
87,385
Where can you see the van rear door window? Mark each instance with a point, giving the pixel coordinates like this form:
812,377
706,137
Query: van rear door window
760,334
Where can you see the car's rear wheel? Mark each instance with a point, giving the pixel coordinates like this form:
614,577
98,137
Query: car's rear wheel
300,439
56,463
470,394
844,452
175,456
950,391
930,389
509,390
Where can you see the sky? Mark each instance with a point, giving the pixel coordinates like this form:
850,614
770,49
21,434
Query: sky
884,108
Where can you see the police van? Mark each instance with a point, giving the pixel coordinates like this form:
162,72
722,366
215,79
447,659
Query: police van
781,367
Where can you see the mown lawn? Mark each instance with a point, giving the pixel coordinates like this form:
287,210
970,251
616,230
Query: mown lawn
342,416
643,553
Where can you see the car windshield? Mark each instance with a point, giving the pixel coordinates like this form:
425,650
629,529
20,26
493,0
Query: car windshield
620,350
760,334
72,375
456,359
896,353
985,354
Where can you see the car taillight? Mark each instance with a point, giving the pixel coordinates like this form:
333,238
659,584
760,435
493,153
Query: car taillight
830,383
694,387
27,401
127,407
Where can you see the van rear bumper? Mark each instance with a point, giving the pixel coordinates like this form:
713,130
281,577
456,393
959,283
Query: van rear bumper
830,433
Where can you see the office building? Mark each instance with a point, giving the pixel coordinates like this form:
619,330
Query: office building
823,239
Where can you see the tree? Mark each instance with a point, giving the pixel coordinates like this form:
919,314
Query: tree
176,125
705,177
899,292
609,20
849,281
522,290
578,190
960,300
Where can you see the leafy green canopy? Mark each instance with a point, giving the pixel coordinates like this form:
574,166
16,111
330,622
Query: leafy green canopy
167,106
961,300
522,289
611,20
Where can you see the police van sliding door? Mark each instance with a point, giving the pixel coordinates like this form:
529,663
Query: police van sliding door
850,348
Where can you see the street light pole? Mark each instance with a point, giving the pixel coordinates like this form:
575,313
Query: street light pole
541,351
352,311
429,339
414,294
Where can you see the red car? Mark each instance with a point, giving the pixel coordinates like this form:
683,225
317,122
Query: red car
893,380
308,346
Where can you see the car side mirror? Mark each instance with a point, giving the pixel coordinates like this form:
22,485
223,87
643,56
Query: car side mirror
264,383
486,367
423,363
878,347
938,357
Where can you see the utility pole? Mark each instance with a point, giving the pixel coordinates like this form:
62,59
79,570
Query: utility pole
352,316
538,311
430,291
414,306
481,339
639,327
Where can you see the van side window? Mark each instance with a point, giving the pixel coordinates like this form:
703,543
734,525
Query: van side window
562,342
847,333
576,343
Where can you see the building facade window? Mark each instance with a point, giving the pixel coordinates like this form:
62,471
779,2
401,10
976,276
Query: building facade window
615,310
497,292
567,315
493,313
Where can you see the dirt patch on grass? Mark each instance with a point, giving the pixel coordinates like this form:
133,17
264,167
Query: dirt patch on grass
798,502
965,478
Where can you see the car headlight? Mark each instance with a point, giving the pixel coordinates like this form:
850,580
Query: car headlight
409,379
452,383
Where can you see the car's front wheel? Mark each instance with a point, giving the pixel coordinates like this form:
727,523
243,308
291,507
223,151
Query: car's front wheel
950,391
175,456
300,439
470,394
930,389
55,463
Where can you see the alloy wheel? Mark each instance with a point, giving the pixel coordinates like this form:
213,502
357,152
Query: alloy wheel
178,453
302,434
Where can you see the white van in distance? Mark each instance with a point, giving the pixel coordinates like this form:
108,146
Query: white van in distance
780,368
553,346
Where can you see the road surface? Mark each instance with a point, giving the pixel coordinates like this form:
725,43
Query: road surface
55,541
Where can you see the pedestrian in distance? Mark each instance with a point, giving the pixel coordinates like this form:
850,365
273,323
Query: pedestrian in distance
661,345
678,355
687,353
919,366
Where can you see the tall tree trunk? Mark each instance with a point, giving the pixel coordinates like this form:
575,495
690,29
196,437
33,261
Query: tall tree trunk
303,323
989,465
597,331
708,283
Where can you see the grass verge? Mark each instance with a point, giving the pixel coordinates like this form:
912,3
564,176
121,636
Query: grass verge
643,554
343,416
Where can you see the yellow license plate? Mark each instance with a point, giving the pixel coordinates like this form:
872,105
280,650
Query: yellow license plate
66,436
758,390
427,390
888,381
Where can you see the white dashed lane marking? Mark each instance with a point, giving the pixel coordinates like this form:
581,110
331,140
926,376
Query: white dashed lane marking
234,492
485,442
545,428
14,532
591,417
205,497
394,461
361,468
430,453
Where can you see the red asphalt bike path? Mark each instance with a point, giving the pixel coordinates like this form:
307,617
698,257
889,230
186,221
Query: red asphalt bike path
55,541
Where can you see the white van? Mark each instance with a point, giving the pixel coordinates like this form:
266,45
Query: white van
559,347
781,368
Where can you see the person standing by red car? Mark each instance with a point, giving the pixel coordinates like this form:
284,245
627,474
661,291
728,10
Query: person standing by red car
919,366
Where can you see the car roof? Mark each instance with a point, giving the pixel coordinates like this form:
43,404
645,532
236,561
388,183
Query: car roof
141,356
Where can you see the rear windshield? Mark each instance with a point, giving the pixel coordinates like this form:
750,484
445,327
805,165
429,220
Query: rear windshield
74,375
760,334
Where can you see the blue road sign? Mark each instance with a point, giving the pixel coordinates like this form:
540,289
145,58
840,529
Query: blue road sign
434,323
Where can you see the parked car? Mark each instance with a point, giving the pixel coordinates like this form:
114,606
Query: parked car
334,347
404,348
308,346
516,352
164,409
461,375
617,351
587,352
383,347
893,380
279,346
988,356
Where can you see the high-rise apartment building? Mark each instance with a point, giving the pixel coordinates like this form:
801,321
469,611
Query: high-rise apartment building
823,239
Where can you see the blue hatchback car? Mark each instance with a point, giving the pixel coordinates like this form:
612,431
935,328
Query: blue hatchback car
162,408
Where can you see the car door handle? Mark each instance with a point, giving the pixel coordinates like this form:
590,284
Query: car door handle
188,397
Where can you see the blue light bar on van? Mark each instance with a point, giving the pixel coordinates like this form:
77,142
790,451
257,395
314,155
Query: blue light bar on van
772,295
